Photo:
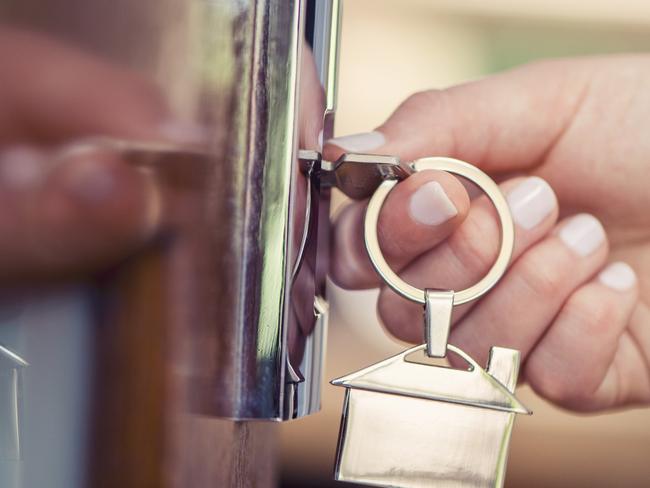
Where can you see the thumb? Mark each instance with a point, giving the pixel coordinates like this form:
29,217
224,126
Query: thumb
506,122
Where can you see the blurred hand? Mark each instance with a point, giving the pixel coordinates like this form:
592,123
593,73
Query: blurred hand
67,211
569,303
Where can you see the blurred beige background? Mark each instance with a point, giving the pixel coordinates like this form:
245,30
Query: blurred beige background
390,49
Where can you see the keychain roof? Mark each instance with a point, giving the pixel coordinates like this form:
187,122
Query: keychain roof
403,374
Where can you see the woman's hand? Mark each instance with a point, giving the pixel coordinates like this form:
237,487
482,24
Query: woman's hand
569,303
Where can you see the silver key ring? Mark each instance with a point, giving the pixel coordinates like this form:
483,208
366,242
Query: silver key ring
492,191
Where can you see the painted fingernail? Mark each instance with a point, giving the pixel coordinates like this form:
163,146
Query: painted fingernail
22,167
183,132
618,276
583,234
90,180
430,205
531,201
366,141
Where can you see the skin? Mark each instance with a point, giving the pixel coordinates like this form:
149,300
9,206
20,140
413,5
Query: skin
580,124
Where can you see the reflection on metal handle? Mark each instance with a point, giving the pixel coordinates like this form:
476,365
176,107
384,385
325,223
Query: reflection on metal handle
271,357
11,366
325,45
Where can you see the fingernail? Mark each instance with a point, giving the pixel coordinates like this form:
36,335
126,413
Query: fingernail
531,201
90,181
365,141
430,205
22,167
583,234
320,141
618,276
183,132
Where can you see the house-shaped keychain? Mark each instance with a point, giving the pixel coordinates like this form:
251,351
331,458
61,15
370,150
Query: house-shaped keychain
407,423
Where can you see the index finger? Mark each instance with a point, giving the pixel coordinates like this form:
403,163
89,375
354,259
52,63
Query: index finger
503,123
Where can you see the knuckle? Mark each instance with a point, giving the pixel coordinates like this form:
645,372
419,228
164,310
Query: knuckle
340,275
393,244
475,244
554,387
426,108
542,277
596,316
425,98
349,268
573,390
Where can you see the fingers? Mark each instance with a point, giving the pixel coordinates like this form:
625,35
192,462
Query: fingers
481,121
419,213
587,360
71,214
52,92
467,255
524,303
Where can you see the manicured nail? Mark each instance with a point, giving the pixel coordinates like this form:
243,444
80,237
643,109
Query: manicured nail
531,201
183,132
366,141
583,234
22,167
90,180
430,205
619,276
